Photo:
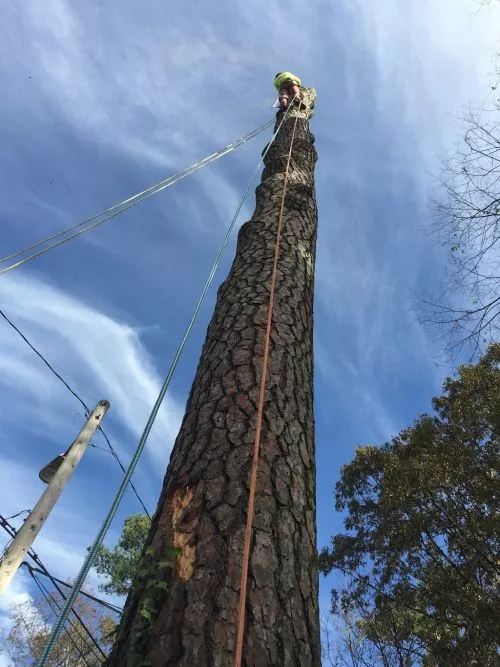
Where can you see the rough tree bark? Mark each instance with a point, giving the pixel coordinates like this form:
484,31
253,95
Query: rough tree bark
203,505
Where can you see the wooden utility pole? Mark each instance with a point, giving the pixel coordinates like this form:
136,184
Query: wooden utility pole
26,535
202,509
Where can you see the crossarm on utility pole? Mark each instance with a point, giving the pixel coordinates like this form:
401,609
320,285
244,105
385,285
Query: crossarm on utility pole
25,537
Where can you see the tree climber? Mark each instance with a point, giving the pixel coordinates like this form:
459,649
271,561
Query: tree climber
289,88
288,85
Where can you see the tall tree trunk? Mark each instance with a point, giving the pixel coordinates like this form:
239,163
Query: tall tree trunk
203,505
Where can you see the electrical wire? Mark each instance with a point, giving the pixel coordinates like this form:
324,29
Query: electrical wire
142,442
79,398
52,603
103,603
126,203
14,516
12,532
43,570
40,355
115,456
103,449
6,547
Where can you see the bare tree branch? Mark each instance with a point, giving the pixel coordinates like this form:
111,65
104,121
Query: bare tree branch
467,221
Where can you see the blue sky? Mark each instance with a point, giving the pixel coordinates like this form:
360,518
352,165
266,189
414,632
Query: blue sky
105,99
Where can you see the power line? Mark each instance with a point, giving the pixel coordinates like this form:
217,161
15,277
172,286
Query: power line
43,570
73,392
40,355
74,626
49,601
127,203
115,455
103,449
4,523
103,603
31,553
52,603
4,550
14,516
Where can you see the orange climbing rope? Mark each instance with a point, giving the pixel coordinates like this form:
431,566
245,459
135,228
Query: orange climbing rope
258,427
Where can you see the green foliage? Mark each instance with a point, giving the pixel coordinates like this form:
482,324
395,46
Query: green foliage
150,586
120,563
149,583
421,549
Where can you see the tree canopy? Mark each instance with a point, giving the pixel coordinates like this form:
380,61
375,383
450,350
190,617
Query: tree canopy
120,564
31,619
31,622
421,550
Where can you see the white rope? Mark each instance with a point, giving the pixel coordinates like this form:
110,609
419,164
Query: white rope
124,205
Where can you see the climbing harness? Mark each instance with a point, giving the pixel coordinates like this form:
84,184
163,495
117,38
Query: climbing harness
258,427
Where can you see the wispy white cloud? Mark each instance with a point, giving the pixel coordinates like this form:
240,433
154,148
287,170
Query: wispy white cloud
17,593
365,393
66,534
102,357
12,479
115,92
369,340
65,531
155,90
373,249
61,544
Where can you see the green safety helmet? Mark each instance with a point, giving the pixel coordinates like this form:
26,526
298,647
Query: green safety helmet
283,77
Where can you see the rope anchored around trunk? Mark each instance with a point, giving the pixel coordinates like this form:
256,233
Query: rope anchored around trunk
258,427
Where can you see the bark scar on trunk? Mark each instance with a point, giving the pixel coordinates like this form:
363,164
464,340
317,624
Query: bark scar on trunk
183,527
307,255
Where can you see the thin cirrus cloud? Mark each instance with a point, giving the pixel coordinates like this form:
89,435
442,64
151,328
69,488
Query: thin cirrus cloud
101,356
105,100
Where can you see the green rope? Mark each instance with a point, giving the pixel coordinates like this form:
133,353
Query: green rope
142,442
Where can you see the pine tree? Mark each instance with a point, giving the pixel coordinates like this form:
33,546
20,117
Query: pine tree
189,618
